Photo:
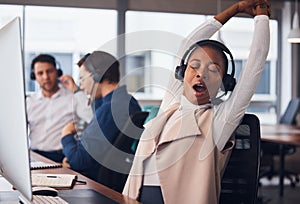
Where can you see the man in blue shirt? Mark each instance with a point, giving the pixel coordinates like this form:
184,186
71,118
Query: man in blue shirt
112,105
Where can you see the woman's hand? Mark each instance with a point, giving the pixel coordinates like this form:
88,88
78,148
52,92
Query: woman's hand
254,7
251,7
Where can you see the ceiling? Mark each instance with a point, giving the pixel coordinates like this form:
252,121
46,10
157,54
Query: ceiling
207,7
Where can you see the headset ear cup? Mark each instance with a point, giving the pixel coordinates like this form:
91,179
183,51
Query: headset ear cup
97,77
229,83
59,72
179,72
32,75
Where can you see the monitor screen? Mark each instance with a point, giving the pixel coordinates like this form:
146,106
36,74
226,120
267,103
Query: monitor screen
14,150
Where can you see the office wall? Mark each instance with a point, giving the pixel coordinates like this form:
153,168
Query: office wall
285,63
290,62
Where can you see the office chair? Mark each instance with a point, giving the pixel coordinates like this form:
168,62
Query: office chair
269,150
117,179
240,180
153,110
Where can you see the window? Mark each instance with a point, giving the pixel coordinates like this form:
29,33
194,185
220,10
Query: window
135,79
158,55
264,85
237,38
67,33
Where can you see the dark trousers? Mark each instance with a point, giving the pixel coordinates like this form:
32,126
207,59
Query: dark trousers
151,195
56,156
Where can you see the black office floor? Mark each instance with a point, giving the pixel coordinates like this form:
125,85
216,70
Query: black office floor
269,193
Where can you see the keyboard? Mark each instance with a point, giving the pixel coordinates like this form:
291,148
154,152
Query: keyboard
38,199
43,165
41,199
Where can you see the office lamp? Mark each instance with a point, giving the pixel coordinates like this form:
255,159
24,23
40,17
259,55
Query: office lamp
294,35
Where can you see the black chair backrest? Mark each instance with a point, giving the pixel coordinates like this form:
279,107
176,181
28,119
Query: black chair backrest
131,133
122,160
240,179
289,116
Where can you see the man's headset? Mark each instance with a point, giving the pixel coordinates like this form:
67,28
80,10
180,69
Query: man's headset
97,76
45,58
96,59
100,59
228,81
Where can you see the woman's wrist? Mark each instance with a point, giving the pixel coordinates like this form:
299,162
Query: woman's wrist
262,9
261,5
225,15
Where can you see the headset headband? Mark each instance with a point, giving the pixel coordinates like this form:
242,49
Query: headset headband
221,47
96,76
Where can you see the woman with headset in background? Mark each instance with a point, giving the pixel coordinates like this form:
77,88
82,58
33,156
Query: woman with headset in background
183,151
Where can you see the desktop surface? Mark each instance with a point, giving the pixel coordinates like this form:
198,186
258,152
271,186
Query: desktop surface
96,191
281,133
86,196
89,193
75,196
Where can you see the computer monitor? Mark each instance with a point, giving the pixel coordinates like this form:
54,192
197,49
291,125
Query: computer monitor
14,148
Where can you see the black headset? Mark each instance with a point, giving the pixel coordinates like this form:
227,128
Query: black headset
45,58
96,75
100,63
228,81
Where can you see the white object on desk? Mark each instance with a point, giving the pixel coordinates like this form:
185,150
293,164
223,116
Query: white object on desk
53,180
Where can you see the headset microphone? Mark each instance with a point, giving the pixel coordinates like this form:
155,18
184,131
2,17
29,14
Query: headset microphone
90,95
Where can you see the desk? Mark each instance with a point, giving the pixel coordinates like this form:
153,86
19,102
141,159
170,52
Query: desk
283,135
90,183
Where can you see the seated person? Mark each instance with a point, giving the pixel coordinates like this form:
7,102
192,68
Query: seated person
51,108
112,106
183,151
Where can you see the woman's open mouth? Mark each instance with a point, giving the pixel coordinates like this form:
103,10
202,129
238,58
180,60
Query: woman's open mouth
199,87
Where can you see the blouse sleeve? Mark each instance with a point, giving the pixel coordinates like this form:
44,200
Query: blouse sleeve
174,89
229,113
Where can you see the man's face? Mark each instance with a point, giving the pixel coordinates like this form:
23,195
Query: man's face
203,75
86,81
46,76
